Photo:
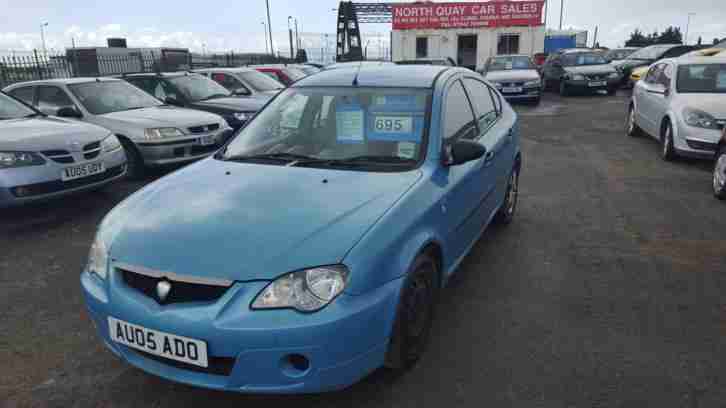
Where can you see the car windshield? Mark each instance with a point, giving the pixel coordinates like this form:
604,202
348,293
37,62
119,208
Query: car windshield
261,82
650,53
583,58
100,97
615,55
308,70
509,63
701,78
198,87
353,128
295,74
12,109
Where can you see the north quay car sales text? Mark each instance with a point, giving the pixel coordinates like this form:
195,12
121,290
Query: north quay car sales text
460,10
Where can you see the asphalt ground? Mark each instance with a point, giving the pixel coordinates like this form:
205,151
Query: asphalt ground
608,290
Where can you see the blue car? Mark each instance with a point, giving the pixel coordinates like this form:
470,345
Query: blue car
309,251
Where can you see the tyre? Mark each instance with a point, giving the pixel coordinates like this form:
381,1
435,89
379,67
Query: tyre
506,213
631,127
412,328
535,101
668,152
719,175
135,167
612,91
564,89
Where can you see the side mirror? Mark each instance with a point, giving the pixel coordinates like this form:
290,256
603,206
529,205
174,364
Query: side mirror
463,151
170,100
68,112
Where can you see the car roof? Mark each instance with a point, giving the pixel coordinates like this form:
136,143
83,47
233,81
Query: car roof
231,70
64,81
393,76
575,50
716,59
273,66
159,74
509,55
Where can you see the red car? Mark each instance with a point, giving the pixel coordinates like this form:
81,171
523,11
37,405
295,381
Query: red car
283,73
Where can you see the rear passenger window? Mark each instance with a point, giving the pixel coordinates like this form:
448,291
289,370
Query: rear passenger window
25,94
481,99
52,98
458,116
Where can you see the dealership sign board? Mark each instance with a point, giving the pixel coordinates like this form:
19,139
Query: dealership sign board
407,16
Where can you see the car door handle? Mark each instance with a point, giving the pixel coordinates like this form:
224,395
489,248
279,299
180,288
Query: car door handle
489,157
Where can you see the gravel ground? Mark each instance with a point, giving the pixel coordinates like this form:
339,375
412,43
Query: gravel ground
608,290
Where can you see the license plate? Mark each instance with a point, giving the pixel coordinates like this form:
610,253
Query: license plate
83,170
207,140
393,124
512,89
173,347
597,83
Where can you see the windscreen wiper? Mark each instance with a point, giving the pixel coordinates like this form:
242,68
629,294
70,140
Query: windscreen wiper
373,159
281,157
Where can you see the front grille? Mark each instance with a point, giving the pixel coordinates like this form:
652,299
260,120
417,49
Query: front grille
59,156
597,77
180,292
699,145
204,128
92,146
512,84
204,149
30,190
215,365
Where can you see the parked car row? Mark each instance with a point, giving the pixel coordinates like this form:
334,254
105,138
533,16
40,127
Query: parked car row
681,102
147,120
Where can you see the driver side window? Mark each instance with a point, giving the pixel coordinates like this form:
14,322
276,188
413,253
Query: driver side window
230,83
653,74
52,98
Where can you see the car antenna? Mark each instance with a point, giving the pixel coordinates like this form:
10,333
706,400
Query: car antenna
357,71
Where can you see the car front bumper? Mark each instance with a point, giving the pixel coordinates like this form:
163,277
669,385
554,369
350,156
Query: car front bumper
585,85
696,142
184,150
526,94
248,349
24,185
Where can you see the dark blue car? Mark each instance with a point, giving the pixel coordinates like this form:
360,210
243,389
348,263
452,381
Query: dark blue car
310,250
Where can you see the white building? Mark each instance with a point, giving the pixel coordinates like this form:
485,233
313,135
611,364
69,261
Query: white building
469,33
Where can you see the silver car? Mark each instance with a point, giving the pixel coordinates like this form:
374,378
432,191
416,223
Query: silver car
515,76
244,81
43,157
151,132
682,103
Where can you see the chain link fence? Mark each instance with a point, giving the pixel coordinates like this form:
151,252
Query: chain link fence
93,63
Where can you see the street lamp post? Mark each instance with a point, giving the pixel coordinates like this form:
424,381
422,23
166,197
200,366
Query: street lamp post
42,38
688,26
264,31
297,37
289,30
269,27
562,11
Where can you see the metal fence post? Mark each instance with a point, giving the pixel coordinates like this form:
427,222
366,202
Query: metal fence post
37,64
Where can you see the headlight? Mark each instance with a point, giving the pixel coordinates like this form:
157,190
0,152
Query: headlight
497,85
614,75
243,116
19,159
98,259
111,143
699,118
305,291
535,82
162,133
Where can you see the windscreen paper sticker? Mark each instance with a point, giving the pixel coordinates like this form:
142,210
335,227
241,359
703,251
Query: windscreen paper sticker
407,150
349,119
396,118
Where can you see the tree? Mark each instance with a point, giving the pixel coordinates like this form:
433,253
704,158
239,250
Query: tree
671,35
637,39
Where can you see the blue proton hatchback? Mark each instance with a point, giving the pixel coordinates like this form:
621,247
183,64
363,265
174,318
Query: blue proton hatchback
310,250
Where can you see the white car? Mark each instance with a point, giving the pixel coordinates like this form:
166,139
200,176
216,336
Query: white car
152,133
682,103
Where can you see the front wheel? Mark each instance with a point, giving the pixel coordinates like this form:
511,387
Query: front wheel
612,91
506,212
564,89
668,152
412,328
719,175
631,127
135,167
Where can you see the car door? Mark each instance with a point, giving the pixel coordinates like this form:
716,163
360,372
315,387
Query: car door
648,94
51,98
468,184
495,134
661,100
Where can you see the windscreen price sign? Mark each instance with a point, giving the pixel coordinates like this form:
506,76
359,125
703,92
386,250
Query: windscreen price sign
409,16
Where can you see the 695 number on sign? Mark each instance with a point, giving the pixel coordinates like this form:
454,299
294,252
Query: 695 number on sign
393,124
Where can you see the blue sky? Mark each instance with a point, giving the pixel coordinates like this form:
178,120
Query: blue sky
237,25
